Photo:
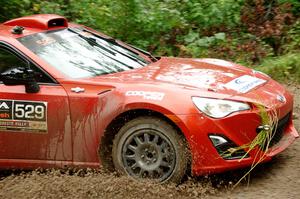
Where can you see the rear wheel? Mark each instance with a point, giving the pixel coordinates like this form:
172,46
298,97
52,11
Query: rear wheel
148,147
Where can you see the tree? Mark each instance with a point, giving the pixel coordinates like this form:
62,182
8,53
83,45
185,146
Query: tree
269,20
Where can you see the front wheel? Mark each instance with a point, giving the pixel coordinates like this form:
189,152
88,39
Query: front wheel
149,147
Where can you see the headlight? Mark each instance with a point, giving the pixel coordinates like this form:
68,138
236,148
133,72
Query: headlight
217,108
262,73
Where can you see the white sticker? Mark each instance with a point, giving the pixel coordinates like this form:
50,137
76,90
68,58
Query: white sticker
23,116
244,83
147,95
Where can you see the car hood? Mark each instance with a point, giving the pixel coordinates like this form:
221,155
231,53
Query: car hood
207,77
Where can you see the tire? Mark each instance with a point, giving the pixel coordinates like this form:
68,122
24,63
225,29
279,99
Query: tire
149,147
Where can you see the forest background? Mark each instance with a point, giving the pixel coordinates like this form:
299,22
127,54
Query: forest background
263,34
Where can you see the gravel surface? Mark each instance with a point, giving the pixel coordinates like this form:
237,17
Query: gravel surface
279,178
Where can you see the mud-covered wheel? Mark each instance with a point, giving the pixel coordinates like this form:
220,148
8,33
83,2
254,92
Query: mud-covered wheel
149,147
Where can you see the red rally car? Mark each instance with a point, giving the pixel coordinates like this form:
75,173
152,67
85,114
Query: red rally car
71,96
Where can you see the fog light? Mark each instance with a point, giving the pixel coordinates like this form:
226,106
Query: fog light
217,140
224,147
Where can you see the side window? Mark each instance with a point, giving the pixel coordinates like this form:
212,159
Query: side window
9,60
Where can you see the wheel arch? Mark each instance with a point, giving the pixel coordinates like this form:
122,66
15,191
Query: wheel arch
105,147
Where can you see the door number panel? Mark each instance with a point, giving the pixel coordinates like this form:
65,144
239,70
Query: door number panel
24,116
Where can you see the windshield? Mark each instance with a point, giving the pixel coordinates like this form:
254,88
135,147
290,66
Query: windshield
79,53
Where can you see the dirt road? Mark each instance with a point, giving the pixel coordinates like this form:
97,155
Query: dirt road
279,178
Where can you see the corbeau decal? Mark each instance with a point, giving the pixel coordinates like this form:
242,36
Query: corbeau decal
147,95
24,116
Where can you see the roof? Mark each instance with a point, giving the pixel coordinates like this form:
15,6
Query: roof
33,24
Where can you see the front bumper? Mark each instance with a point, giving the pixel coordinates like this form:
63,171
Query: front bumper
239,128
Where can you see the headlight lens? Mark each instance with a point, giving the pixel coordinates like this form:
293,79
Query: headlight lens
262,73
218,108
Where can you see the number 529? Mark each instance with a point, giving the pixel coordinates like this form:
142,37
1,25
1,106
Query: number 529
29,111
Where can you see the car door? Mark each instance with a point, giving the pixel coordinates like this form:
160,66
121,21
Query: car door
33,126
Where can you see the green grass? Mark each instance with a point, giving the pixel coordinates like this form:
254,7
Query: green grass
283,68
262,140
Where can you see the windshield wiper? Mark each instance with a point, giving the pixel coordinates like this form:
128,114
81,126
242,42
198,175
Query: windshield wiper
144,52
134,58
91,41
114,41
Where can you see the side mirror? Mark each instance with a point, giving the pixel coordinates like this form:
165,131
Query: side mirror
21,76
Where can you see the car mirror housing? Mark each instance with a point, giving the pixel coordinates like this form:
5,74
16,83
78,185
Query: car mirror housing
20,76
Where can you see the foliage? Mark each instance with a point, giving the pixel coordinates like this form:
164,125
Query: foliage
198,46
293,38
246,31
267,20
285,67
295,5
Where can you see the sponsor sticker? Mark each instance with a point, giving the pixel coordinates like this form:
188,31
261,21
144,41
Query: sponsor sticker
148,95
24,116
46,41
244,83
